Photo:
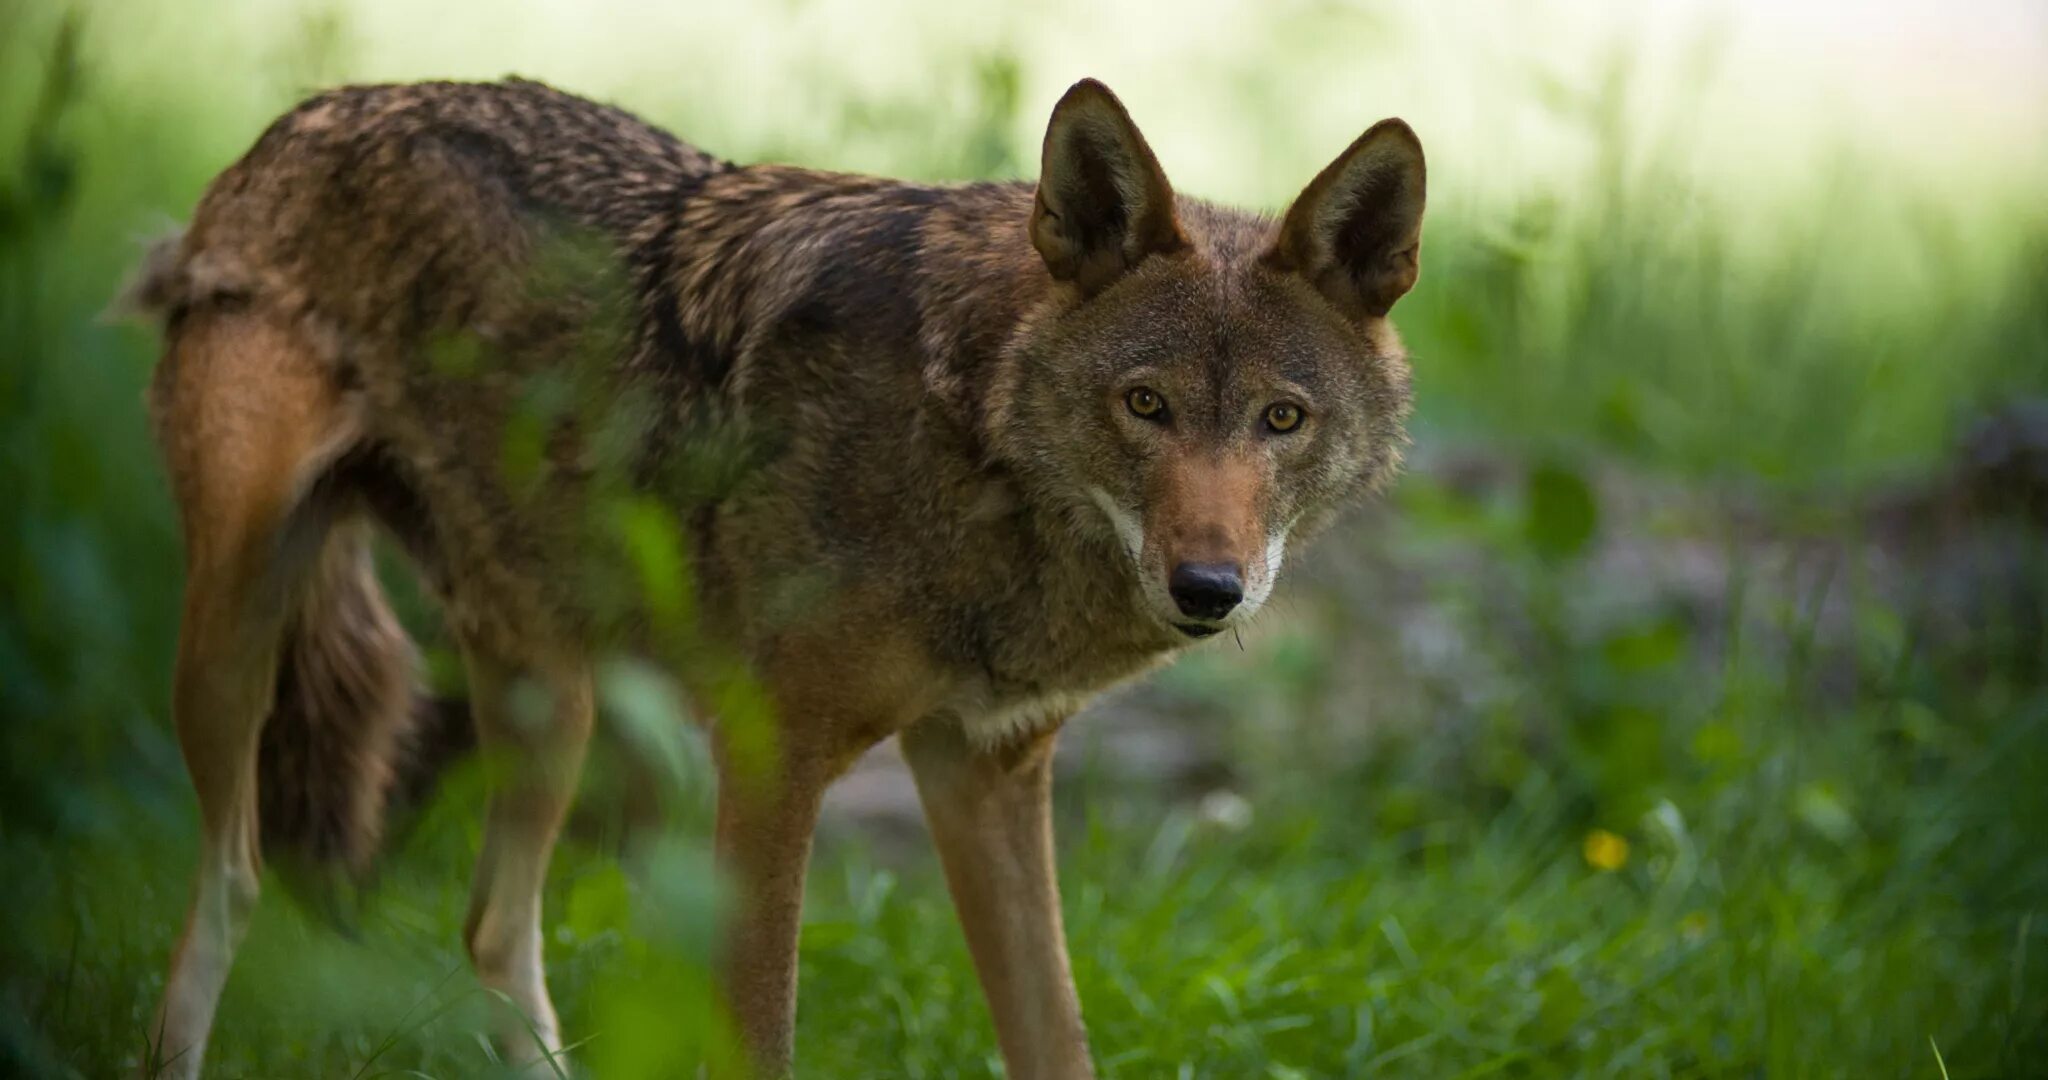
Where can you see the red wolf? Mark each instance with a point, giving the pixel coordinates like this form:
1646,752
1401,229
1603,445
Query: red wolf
974,454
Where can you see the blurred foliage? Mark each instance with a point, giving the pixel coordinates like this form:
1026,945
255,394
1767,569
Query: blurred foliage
1525,822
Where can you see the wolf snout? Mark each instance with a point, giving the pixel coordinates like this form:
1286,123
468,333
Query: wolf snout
1206,590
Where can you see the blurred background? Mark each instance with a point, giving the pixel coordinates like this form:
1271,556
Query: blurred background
1683,711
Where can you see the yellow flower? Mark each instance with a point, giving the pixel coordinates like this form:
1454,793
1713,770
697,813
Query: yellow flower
1605,851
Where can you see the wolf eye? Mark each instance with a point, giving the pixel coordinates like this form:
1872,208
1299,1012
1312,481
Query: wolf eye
1283,418
1145,402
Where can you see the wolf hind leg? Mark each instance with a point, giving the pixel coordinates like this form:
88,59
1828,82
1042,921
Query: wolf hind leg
247,420
533,722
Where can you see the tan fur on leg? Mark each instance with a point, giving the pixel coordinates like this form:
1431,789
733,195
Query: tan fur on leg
248,420
764,844
538,739
990,814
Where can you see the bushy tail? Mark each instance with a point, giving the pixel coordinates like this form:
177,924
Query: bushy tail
350,735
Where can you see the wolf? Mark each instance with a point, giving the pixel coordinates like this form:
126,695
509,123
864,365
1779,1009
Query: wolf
932,462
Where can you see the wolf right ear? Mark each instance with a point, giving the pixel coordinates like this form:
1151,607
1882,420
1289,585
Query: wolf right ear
1103,202
1356,231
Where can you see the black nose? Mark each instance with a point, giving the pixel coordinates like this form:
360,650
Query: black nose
1205,590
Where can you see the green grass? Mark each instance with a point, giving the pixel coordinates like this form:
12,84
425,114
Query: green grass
1375,924
1834,806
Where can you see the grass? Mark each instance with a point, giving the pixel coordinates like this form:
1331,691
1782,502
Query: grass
1831,799
1369,926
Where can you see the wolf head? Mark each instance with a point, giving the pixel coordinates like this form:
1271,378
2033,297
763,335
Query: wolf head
1204,385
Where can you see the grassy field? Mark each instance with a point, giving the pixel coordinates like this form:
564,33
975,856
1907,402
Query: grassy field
1660,748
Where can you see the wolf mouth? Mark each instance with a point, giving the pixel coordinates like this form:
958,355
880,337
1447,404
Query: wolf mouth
1197,630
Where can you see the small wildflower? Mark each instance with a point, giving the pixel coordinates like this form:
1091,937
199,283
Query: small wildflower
1605,851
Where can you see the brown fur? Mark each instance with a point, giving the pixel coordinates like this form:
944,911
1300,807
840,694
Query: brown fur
888,420
345,690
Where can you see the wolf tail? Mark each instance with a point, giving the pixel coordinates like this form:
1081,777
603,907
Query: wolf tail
351,737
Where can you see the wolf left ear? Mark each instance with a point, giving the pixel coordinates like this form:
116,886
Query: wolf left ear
1356,231
1103,202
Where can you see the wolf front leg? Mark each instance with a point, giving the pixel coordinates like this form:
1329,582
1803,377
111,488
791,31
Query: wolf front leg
765,820
991,815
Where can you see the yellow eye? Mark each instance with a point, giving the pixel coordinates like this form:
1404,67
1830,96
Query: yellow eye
1146,402
1283,418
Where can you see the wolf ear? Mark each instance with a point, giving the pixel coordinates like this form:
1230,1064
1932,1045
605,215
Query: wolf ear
1356,231
1103,203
